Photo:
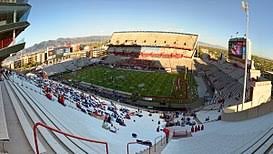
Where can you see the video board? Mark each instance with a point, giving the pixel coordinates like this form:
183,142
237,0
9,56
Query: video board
237,48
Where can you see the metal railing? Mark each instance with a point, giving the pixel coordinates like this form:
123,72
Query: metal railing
65,134
161,138
146,143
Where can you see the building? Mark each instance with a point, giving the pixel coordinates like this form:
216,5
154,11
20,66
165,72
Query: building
13,20
260,88
98,52
47,56
171,49
269,76
25,60
59,54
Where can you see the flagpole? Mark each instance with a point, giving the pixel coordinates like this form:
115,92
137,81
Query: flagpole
246,56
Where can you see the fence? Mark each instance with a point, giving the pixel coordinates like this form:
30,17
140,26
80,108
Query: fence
35,127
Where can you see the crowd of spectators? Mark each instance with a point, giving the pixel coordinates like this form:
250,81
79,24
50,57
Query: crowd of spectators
112,116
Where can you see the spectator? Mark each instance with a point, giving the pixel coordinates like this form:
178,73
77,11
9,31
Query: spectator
61,99
167,134
109,119
202,127
158,128
49,95
192,129
113,129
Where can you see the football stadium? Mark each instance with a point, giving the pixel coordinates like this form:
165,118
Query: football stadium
154,70
141,92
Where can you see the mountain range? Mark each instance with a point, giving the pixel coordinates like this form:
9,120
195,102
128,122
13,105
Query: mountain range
211,45
63,41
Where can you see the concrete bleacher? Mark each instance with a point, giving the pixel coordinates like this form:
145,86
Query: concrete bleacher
261,145
229,69
35,118
26,126
59,113
29,112
111,59
53,69
83,62
69,65
4,136
216,134
225,79
173,63
250,136
73,145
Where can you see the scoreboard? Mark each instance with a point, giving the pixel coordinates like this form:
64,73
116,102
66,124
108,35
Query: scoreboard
237,48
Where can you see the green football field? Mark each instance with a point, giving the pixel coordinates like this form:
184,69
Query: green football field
144,83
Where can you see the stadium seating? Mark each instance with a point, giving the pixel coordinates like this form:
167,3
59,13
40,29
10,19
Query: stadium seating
50,120
226,80
39,105
232,137
27,128
4,136
69,65
35,118
137,63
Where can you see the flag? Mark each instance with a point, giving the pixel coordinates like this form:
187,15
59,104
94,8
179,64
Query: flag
245,6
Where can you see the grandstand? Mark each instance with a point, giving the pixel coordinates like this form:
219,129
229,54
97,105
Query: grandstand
221,81
68,65
170,49
31,106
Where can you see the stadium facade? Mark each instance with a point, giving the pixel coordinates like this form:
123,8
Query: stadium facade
13,20
155,45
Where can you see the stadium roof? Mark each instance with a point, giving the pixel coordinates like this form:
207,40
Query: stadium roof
156,32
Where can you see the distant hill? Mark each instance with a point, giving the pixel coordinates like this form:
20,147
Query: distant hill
211,45
63,41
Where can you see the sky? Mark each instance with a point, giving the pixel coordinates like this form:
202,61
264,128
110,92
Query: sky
213,20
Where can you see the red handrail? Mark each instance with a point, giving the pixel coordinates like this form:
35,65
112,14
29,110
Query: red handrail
35,126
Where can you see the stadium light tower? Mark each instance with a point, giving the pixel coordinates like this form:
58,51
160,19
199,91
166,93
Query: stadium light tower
246,10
